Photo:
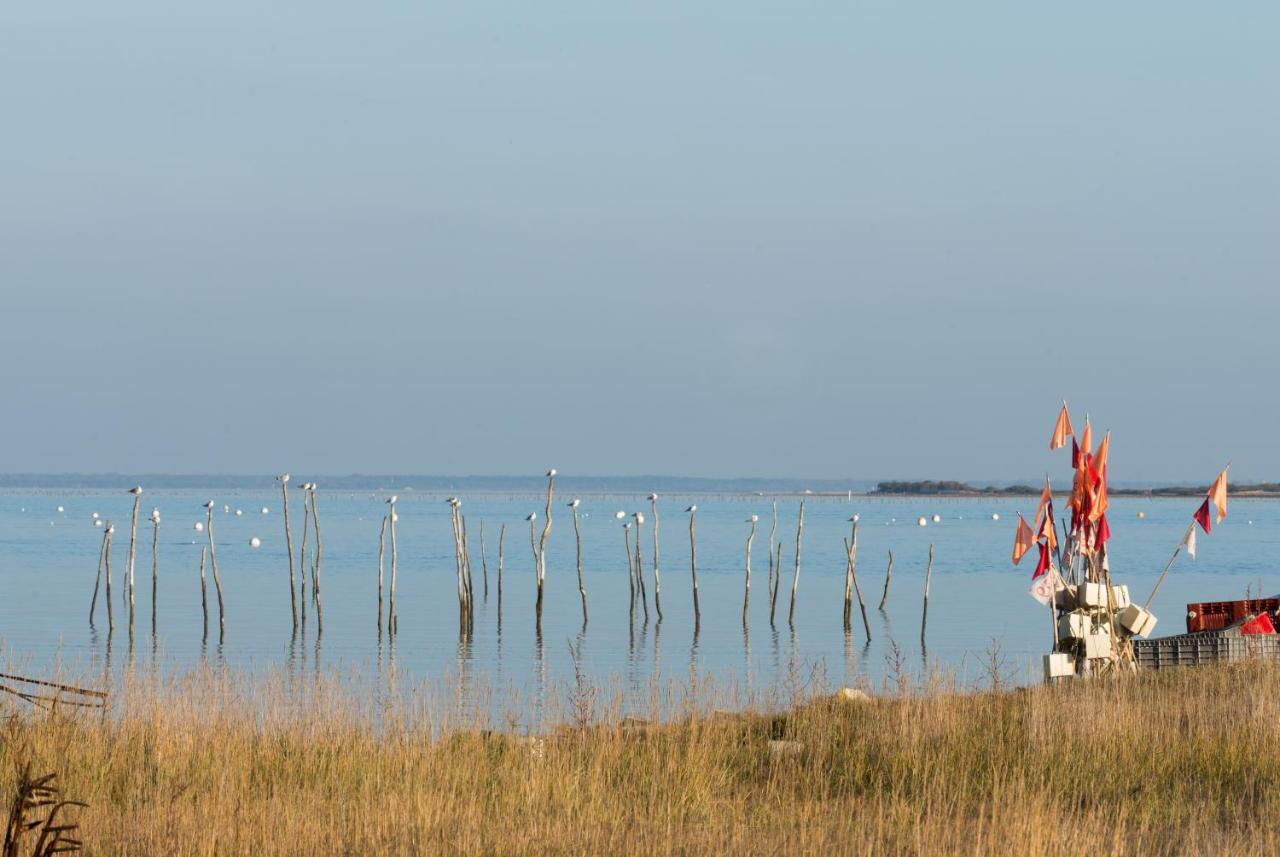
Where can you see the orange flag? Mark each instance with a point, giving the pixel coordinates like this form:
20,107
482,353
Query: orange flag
1048,532
1086,440
1061,429
1023,540
1100,457
1218,494
1100,503
1046,496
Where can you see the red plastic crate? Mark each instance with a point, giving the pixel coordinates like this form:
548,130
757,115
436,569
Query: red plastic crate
1216,615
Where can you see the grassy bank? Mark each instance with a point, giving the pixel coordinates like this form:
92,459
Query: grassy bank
1183,761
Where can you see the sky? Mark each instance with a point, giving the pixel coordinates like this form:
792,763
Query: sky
870,240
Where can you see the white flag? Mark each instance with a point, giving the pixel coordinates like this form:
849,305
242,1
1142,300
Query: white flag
1043,587
1190,541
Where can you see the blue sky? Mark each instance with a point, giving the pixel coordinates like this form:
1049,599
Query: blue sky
868,240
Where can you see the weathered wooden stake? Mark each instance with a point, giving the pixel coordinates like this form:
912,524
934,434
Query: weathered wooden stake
393,621
133,549
777,581
928,575
302,559
657,579
888,575
155,565
382,546
577,537
746,592
542,543
204,594
315,579
795,579
631,568
97,581
484,563
283,479
644,595
774,573
111,618
217,579
502,535
693,568
851,548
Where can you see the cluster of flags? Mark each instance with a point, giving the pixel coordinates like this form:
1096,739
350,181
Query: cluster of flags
1089,501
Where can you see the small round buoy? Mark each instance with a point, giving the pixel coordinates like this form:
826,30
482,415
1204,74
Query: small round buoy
239,512
265,510
1142,515
95,516
937,519
60,509
98,522
199,526
923,522
255,542
995,516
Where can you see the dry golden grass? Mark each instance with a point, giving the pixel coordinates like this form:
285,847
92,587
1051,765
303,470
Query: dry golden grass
1178,762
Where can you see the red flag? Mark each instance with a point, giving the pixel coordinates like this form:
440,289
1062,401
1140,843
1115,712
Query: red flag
1023,539
1104,530
1202,516
1042,565
1061,429
1075,454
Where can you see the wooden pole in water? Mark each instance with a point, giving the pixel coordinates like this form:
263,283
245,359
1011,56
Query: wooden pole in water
466,571
852,549
693,568
795,579
746,592
484,563
644,596
393,621
577,537
204,593
315,580
773,572
888,575
133,549
631,568
542,542
217,579
502,535
155,565
106,558
382,546
657,580
97,581
777,580
302,559
928,575
283,479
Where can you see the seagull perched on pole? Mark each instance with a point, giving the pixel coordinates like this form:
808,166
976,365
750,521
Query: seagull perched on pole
451,500
391,499
619,515
283,477
135,490
533,516
573,504
551,472
208,504
692,509
652,497
639,518
754,519
854,519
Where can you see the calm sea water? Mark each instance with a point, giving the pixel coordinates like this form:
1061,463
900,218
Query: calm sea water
48,562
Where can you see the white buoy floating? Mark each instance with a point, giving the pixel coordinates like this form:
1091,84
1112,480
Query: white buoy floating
239,512
995,516
266,511
923,521
61,510
937,519
199,526
255,542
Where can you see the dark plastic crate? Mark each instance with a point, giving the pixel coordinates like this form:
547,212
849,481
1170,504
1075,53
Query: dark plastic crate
1205,647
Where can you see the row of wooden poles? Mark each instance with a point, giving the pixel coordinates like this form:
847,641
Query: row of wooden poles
298,590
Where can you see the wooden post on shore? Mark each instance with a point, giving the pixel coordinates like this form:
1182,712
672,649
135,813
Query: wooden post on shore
97,581
746,592
393,621
657,579
283,479
577,537
217,579
382,546
693,568
795,579
928,575
155,565
888,575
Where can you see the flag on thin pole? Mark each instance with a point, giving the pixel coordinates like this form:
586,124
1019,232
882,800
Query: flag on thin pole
1100,457
1189,540
1218,494
1086,438
1061,429
1023,540
1042,565
1202,516
1046,499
